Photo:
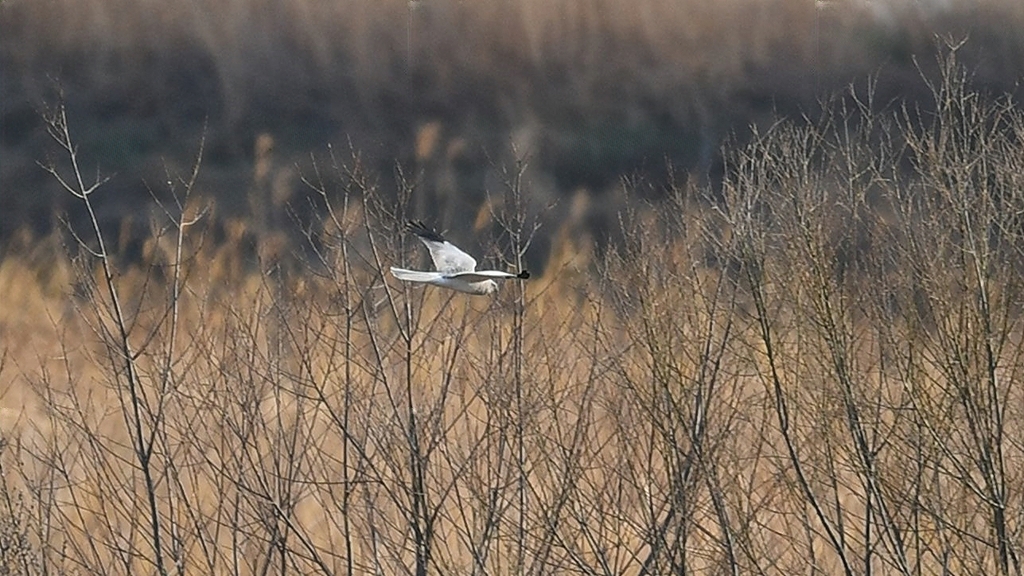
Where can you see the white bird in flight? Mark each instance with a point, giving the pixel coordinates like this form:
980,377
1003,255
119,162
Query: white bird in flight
455,269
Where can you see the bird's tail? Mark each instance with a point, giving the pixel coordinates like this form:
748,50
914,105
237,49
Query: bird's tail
415,275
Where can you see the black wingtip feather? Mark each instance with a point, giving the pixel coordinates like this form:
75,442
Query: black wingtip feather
420,229
523,275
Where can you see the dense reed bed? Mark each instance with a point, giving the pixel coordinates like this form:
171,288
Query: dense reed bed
814,368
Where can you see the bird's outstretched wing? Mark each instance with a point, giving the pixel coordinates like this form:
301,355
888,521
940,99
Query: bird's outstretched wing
446,256
416,275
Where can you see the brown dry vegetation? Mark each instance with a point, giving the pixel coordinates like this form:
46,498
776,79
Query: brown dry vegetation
814,369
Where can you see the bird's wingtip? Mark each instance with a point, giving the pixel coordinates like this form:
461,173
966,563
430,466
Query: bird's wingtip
420,229
525,274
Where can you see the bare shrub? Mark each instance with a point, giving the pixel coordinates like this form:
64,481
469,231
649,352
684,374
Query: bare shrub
811,370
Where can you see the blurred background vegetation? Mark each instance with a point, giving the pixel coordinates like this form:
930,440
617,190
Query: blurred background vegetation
802,353
588,91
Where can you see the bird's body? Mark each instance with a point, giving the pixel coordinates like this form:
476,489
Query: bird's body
455,269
